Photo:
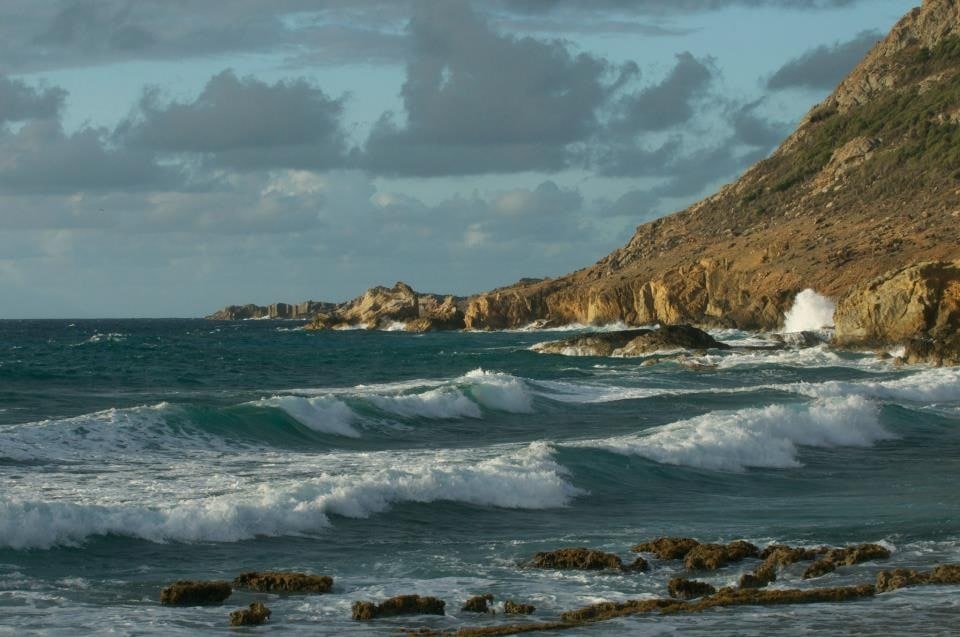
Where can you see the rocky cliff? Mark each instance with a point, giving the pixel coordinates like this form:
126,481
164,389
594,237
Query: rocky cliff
399,307
305,310
868,183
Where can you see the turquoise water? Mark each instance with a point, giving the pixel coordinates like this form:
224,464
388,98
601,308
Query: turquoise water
134,453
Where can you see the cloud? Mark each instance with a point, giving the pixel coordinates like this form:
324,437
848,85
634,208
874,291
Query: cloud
41,158
246,124
477,101
669,103
824,66
20,101
667,7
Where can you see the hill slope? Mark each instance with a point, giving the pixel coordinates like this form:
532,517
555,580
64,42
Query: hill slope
868,183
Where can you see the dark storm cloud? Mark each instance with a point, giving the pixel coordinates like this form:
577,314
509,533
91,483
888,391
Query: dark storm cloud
40,158
246,124
824,66
478,101
752,129
20,101
669,103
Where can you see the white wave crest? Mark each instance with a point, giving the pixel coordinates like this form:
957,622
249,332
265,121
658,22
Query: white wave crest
755,437
320,413
527,478
810,312
928,386
110,337
499,391
438,404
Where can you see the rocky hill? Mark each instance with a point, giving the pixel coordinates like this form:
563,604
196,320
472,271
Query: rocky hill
305,310
868,183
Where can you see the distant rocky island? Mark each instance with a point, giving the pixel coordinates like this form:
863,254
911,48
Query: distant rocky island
861,202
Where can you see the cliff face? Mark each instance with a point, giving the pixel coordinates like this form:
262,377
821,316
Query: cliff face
304,310
401,305
868,183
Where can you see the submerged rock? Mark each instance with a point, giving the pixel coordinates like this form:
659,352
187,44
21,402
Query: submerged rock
478,604
667,548
193,593
847,556
254,616
511,607
710,557
680,588
638,342
584,559
279,582
399,605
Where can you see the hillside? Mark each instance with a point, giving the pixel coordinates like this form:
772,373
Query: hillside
868,183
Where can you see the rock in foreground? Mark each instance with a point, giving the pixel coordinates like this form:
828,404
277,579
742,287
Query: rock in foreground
584,559
191,593
511,607
639,342
478,604
278,582
710,557
399,605
845,557
680,588
667,548
254,616
901,577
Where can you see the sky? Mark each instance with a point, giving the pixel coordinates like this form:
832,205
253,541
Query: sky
165,158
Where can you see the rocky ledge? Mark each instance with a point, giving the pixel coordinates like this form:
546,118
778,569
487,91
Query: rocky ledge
639,342
399,307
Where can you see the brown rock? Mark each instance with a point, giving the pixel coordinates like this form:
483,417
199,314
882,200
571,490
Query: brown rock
667,548
511,607
775,556
278,582
710,557
637,342
583,559
845,557
254,616
193,593
399,605
901,577
680,588
478,604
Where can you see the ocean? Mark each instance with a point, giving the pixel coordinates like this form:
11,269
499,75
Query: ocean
138,452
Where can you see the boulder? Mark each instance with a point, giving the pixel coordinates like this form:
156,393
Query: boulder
193,593
254,616
710,557
478,604
680,588
278,582
511,607
399,605
901,577
584,559
667,548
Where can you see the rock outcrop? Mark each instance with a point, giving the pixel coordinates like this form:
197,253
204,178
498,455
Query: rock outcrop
478,604
710,557
899,578
511,607
584,559
667,548
305,310
399,307
191,593
918,306
399,605
680,588
774,557
279,582
639,342
845,557
255,615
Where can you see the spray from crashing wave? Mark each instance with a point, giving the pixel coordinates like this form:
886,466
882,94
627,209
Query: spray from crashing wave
811,312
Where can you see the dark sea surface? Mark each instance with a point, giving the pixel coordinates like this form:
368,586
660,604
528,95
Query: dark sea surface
138,452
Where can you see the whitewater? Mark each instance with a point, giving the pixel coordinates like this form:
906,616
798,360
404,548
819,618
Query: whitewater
138,452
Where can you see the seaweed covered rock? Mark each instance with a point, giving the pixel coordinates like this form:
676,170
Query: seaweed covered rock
478,604
399,605
278,582
680,588
776,556
667,548
254,616
899,578
710,557
584,559
638,342
193,593
847,556
511,607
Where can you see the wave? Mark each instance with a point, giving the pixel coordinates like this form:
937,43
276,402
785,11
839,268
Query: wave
319,413
766,437
527,478
928,386
110,337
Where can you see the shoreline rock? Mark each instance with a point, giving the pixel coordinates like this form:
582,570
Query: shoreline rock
283,582
584,559
195,593
399,605
636,342
255,615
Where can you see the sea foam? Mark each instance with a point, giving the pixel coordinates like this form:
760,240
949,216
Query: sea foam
323,414
754,437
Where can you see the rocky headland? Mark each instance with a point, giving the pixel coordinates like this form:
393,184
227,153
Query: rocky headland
861,202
